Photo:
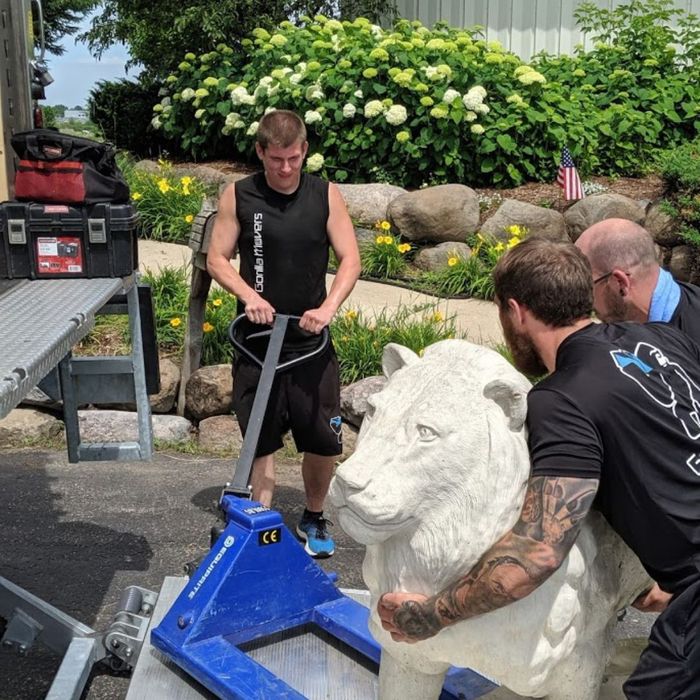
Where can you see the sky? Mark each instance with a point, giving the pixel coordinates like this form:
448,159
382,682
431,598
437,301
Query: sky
76,72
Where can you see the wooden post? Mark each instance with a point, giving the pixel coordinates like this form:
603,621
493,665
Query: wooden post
199,291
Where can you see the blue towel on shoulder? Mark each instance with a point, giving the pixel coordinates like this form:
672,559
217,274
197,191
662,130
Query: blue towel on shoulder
665,298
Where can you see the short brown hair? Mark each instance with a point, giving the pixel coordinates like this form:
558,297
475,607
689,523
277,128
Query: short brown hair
551,279
281,128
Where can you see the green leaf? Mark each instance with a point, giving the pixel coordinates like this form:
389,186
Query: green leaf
506,143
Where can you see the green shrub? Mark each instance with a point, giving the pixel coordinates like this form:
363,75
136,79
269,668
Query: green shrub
123,109
171,298
359,342
384,257
167,202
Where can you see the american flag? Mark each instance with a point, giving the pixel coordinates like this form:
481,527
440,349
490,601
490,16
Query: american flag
567,177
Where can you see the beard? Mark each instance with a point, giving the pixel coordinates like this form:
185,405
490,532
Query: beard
525,356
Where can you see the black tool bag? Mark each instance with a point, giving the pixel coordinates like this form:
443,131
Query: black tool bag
59,168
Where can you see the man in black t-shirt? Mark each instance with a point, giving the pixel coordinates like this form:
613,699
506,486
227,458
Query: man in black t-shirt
615,426
629,284
283,222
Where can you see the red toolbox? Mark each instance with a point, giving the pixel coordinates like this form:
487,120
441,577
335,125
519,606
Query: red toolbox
60,240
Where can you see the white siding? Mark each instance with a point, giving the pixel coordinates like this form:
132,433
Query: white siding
522,26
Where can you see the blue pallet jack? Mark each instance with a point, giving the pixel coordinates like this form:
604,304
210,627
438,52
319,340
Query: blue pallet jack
258,583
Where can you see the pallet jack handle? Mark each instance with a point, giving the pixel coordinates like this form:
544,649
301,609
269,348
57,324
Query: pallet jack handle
240,484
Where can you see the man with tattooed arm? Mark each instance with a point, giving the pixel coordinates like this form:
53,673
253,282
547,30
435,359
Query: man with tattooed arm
614,426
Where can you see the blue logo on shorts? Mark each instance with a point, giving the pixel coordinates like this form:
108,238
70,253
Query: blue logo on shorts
336,424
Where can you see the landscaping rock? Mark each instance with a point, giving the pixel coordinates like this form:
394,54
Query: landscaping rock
591,210
122,426
220,434
209,391
683,262
147,166
208,174
435,258
538,220
368,204
27,425
353,398
439,214
164,400
661,226
349,441
365,235
36,397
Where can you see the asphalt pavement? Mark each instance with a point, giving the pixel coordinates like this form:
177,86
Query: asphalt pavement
76,535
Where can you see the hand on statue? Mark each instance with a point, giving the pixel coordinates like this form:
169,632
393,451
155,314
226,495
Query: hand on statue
405,617
315,320
257,310
653,600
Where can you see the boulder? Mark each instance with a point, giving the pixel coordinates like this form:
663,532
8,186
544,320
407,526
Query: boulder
353,399
207,174
537,220
365,235
591,210
684,260
122,426
368,204
349,441
220,434
436,257
25,425
147,166
662,226
439,214
209,391
164,400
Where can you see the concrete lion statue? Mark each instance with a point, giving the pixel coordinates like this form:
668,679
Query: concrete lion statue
438,476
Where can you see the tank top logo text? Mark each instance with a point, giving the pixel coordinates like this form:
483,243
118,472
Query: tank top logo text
259,265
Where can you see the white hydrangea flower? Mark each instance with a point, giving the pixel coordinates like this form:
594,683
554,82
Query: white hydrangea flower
252,129
200,113
396,114
374,108
477,129
431,72
301,67
470,116
240,96
312,116
482,109
450,96
349,110
156,123
314,162
266,81
231,119
165,101
187,94
359,94
532,77
474,98
314,93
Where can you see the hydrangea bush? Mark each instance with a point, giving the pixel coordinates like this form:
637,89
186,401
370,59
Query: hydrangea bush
441,105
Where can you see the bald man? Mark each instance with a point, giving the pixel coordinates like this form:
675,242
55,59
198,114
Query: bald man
629,284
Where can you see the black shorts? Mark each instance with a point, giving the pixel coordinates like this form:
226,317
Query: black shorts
305,399
669,668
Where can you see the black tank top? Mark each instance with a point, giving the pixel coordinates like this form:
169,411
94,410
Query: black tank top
283,249
283,244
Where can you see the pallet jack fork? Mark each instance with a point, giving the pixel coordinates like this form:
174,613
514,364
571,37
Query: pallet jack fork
257,581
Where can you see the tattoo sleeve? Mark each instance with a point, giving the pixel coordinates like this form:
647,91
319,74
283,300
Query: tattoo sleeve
515,565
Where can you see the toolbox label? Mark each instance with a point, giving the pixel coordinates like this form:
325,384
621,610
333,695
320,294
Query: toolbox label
55,255
273,536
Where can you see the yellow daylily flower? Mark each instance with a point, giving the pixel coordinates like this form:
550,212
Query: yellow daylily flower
189,218
438,317
163,185
207,327
175,322
385,226
136,196
217,302
351,314
452,261
379,240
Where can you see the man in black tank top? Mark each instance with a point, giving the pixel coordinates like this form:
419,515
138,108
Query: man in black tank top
283,221
616,426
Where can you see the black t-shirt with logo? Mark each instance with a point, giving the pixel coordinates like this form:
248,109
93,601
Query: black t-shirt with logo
283,247
623,406
687,313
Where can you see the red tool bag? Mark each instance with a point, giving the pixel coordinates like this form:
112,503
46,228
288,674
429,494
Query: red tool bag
60,168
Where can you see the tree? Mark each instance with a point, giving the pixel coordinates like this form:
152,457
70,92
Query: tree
159,32
61,18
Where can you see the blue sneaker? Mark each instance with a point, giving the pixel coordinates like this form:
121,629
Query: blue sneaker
319,543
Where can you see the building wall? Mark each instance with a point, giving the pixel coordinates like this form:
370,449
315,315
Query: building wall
522,26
